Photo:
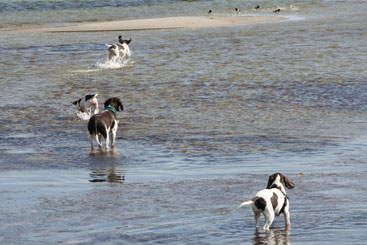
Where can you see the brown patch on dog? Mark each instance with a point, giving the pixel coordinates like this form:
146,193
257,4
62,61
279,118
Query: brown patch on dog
274,200
284,205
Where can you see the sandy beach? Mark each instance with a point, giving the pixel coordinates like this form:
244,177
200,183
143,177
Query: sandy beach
160,23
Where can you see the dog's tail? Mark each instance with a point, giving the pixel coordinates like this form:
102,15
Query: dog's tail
245,204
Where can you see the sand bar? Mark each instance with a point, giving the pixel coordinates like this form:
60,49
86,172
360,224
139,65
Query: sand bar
160,23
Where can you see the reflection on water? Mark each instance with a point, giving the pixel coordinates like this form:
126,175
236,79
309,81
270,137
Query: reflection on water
107,175
104,167
273,236
100,153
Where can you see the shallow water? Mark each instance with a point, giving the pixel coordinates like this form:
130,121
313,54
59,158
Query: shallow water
209,114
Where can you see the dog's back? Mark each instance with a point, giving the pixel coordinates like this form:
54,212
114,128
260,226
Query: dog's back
99,123
87,102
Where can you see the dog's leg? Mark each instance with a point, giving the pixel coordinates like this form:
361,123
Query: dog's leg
89,110
91,142
107,139
257,216
94,105
287,217
128,53
113,132
112,55
113,137
269,218
99,140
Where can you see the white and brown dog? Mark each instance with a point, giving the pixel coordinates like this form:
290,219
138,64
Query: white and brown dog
119,51
104,123
271,201
86,104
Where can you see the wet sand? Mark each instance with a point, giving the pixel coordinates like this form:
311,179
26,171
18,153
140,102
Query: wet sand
161,23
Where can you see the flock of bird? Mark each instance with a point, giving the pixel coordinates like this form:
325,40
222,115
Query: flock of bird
237,10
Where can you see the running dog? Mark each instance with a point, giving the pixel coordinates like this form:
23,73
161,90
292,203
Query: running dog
104,123
86,104
119,51
272,201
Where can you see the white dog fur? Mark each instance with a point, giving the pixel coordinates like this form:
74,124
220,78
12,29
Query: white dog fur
86,103
119,51
271,201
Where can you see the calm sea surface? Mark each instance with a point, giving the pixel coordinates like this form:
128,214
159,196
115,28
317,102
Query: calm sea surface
209,114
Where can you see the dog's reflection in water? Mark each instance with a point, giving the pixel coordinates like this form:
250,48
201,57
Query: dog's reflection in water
104,167
273,236
107,175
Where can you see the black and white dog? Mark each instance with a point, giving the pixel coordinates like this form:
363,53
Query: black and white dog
271,201
119,51
104,123
86,104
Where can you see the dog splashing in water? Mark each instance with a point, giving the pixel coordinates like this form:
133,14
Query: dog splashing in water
119,51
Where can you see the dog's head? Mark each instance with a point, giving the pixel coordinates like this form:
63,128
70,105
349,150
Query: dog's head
77,102
86,98
278,180
124,41
114,102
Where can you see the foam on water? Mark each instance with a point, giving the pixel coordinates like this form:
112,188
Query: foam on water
119,63
106,65
83,115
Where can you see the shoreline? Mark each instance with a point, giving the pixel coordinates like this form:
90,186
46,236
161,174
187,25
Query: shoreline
157,24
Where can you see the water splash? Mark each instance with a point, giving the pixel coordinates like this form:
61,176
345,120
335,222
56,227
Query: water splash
106,65
83,115
114,65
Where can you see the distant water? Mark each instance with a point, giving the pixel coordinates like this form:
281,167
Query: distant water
209,114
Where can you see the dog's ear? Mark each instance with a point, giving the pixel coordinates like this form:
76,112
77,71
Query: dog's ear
124,41
76,102
271,180
119,105
287,183
107,102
